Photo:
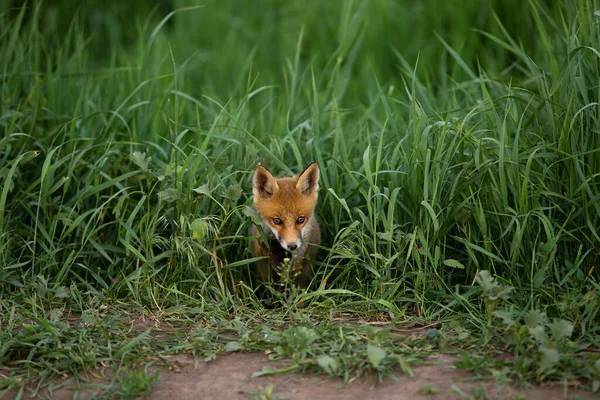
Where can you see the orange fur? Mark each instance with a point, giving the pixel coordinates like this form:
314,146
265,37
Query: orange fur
281,202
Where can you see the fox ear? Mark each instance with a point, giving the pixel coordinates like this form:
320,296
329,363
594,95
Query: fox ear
263,183
308,180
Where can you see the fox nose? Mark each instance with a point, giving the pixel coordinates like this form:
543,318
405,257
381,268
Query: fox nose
292,247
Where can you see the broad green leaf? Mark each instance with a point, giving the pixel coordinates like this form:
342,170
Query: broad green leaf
275,371
233,193
491,288
375,354
233,346
507,317
539,278
199,228
561,329
55,314
538,333
453,264
501,292
89,319
202,189
387,236
61,292
329,364
170,195
141,160
550,357
534,318
485,280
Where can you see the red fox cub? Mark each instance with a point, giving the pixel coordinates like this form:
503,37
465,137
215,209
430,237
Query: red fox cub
286,206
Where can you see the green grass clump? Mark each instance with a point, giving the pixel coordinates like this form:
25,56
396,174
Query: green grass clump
450,139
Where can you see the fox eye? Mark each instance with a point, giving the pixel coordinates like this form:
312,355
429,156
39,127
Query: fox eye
276,221
300,220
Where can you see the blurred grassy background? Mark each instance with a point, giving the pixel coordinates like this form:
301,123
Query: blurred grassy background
225,35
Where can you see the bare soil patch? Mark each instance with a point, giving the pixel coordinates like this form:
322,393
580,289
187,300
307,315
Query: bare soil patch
230,377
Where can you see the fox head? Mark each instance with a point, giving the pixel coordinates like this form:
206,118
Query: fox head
286,205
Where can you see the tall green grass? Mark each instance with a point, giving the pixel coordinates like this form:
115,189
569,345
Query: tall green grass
450,139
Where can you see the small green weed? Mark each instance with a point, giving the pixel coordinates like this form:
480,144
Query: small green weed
340,350
429,389
133,385
474,394
265,393
542,349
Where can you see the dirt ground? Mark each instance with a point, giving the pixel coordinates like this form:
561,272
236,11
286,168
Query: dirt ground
230,377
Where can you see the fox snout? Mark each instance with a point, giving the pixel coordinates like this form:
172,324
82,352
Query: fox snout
291,246
288,240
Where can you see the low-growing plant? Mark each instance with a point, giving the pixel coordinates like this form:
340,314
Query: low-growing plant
134,384
541,347
265,393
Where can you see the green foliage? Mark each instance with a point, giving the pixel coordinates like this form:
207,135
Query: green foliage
429,389
133,179
451,140
134,385
541,349
341,351
265,393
